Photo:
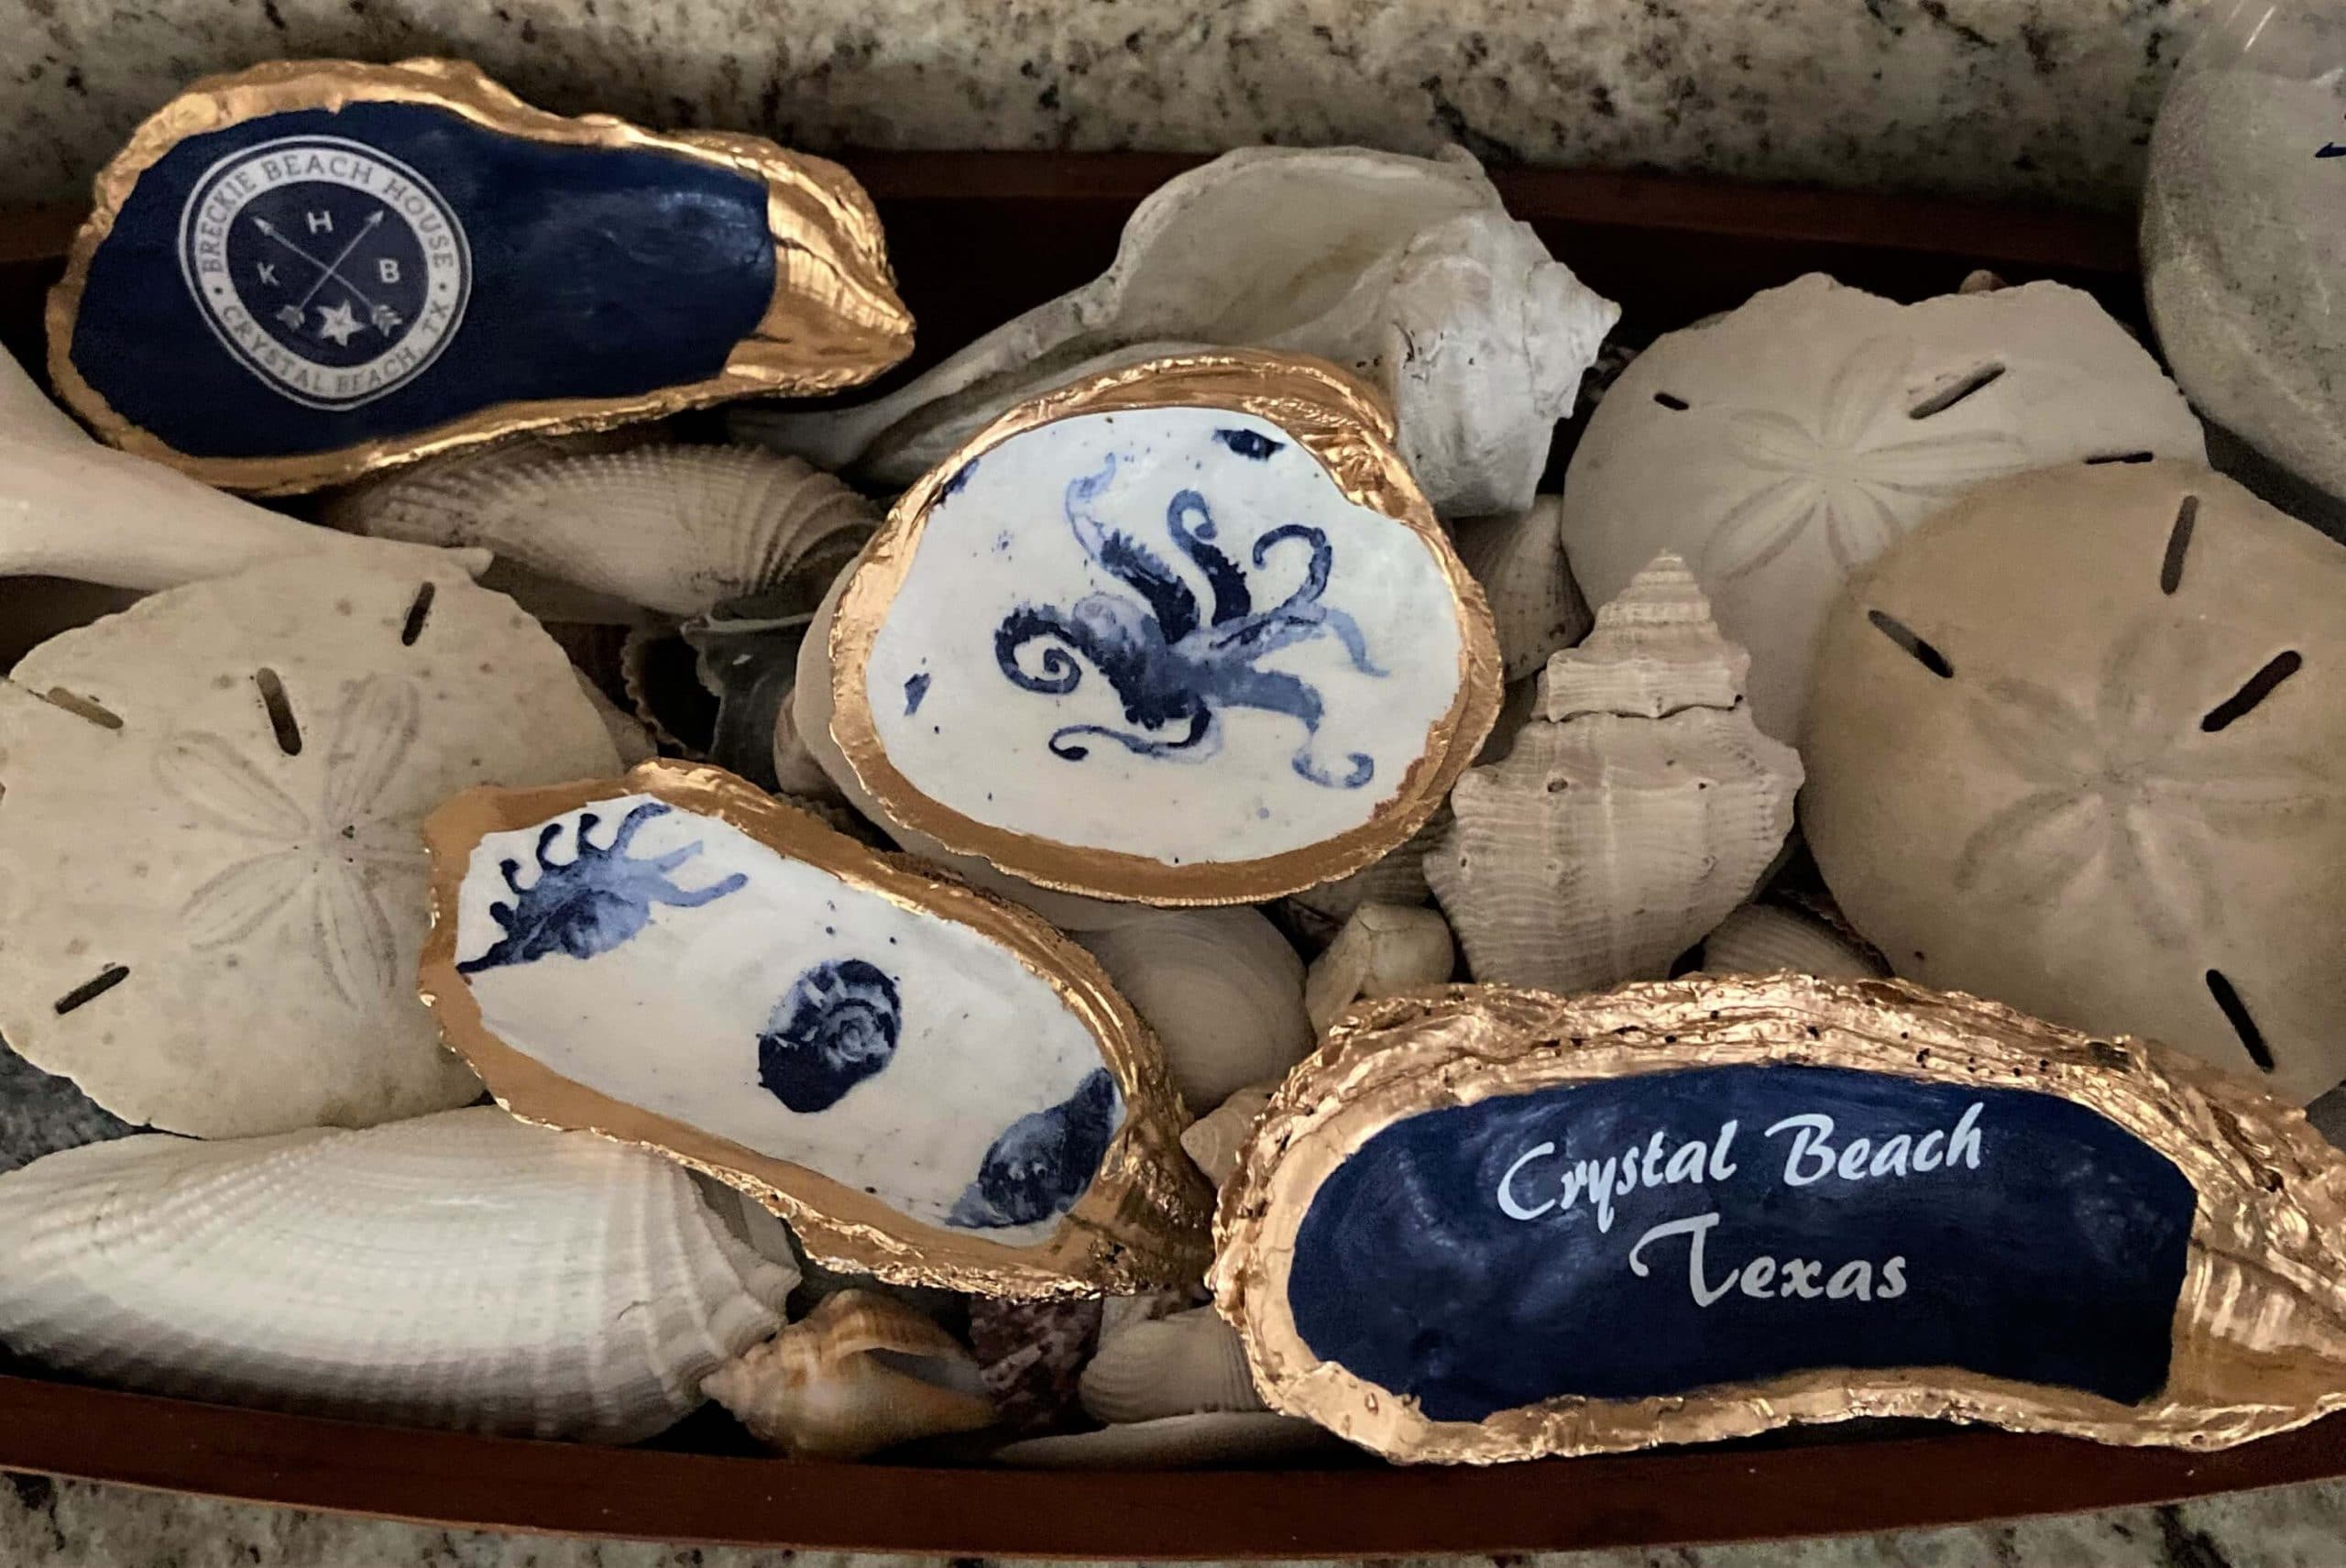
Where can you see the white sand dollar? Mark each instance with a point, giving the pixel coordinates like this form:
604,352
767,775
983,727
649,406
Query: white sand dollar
214,890
1783,445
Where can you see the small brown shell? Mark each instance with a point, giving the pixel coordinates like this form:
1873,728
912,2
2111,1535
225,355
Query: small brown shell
860,1373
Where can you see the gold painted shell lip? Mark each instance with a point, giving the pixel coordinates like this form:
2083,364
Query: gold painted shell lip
1141,1225
1332,414
833,321
2259,1339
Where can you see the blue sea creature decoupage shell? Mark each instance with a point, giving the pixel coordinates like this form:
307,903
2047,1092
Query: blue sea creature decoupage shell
1184,633
927,1084
312,268
1496,1224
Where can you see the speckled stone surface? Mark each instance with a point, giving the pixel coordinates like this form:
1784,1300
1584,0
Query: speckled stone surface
69,1524
2049,98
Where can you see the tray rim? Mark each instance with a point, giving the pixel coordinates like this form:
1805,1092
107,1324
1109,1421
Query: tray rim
1936,1478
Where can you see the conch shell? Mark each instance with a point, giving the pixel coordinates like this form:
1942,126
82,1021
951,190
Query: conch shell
1222,989
860,1373
1383,948
674,529
1406,270
71,508
1637,809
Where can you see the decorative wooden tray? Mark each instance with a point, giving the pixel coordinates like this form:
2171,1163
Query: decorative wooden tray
977,238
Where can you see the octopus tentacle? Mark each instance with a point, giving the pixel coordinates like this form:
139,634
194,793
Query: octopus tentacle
1348,632
1130,562
1232,597
1275,691
552,831
1315,578
1060,673
693,898
1202,728
629,826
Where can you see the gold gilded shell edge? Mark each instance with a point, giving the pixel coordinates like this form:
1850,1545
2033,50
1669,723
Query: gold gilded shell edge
1141,1225
1346,426
833,289
2262,1305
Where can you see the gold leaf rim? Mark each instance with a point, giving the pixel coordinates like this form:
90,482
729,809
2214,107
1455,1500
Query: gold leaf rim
2258,1344
833,321
1345,427
1142,1224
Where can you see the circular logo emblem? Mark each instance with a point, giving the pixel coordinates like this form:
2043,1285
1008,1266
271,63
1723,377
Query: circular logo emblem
333,272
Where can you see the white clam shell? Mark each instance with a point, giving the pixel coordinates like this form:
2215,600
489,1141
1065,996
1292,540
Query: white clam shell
1173,1443
1222,989
861,1373
1766,938
209,808
674,529
1406,270
1214,1141
71,508
461,1270
1382,949
1788,442
1519,560
1179,1365
1638,806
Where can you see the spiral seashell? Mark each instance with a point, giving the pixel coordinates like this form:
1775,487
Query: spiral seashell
860,1373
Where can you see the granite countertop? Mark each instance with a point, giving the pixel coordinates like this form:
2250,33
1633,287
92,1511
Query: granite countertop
70,1524
2044,98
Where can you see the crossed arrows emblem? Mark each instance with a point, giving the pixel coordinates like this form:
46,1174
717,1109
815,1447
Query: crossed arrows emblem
380,317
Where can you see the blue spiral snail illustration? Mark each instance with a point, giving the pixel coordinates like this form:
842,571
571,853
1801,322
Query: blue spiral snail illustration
593,902
1043,1161
1175,673
838,1026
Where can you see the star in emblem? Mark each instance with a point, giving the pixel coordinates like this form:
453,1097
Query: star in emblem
338,322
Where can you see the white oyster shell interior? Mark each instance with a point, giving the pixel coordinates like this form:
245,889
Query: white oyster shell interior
1166,632
917,1043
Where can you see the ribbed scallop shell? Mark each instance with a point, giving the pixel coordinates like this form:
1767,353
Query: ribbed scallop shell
1638,807
1764,939
1179,1365
461,1270
670,528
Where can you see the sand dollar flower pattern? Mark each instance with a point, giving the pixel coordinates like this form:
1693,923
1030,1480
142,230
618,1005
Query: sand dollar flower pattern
2139,789
1863,468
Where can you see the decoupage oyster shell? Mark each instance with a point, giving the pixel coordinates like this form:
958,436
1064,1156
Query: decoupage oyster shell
309,269
860,1373
928,1084
1406,270
1994,1220
458,1270
208,808
1228,656
676,529
1786,444
2079,746
1638,807
71,508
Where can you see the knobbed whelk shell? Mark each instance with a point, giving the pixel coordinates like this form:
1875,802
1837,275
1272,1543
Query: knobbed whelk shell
459,1270
1179,1365
71,508
1383,948
1406,270
1222,989
679,529
1852,1200
208,810
929,1085
860,1373
1784,446
2124,809
1285,704
1638,807
449,266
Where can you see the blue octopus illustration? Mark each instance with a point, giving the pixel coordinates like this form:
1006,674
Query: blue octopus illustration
838,1026
593,902
1174,672
1044,1160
